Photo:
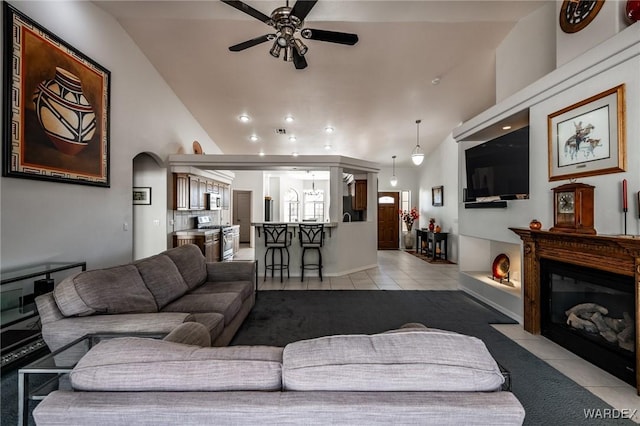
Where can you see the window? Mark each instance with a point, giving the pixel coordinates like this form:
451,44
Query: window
292,205
405,205
313,205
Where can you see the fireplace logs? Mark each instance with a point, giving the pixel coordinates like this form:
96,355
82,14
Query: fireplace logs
592,318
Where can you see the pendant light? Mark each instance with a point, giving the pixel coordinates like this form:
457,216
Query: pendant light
394,179
417,155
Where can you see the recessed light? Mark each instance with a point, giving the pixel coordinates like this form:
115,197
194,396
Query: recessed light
295,154
261,154
435,81
506,127
292,138
253,138
244,118
288,119
329,129
327,147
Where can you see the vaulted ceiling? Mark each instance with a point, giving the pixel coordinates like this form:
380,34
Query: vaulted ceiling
371,93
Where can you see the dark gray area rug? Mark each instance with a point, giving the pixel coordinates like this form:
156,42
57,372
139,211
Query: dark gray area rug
280,317
549,397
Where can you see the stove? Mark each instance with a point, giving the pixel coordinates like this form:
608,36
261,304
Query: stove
226,235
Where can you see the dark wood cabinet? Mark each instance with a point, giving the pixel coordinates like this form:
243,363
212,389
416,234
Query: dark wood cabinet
190,192
181,191
360,196
208,243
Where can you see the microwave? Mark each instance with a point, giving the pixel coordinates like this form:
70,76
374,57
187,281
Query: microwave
213,201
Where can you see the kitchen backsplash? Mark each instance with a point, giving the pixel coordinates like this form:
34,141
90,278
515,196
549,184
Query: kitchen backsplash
186,219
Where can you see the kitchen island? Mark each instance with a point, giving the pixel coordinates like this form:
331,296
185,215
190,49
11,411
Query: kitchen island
348,247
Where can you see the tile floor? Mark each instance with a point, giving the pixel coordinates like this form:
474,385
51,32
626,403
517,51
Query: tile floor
398,270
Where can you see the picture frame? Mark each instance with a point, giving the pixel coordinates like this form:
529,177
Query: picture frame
56,107
588,137
142,195
437,196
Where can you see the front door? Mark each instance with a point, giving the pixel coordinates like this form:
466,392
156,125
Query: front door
388,220
242,214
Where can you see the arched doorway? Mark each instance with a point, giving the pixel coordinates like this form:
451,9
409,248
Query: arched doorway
150,208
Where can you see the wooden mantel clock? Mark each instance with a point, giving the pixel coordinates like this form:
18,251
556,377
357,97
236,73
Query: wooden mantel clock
573,208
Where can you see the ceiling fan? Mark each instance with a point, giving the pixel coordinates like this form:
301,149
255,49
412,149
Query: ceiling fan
287,22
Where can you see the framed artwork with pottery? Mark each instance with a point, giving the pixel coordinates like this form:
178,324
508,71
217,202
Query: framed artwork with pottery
56,107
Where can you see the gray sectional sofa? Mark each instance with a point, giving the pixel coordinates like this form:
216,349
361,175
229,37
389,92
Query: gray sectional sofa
413,375
152,295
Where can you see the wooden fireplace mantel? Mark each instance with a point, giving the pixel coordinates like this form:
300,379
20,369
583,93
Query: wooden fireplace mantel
613,253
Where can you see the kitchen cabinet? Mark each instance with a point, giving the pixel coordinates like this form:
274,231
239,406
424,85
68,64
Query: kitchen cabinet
360,196
190,192
197,189
181,191
208,242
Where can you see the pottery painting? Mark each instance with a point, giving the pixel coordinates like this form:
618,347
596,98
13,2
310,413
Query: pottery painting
57,122
64,113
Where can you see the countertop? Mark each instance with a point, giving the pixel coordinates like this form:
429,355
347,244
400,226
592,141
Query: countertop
295,224
191,232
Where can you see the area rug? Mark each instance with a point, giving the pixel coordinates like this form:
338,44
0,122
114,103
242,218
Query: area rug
280,317
426,258
548,397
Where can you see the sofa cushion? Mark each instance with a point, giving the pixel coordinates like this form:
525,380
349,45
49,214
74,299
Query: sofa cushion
190,262
227,304
117,290
245,288
162,278
401,361
138,364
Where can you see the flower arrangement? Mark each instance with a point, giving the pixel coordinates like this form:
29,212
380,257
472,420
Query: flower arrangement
409,216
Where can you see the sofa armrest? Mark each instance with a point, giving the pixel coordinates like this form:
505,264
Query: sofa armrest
47,308
237,270
190,333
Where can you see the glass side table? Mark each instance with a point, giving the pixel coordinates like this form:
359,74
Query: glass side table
56,364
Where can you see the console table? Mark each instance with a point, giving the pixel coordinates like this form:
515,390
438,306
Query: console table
436,243
19,305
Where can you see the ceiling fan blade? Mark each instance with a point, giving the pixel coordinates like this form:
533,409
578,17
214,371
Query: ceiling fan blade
250,43
302,8
248,10
330,36
298,60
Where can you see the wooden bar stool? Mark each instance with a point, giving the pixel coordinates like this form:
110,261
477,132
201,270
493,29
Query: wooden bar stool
311,237
276,237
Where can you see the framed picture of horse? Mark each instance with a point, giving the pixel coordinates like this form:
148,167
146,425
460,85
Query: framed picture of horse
588,138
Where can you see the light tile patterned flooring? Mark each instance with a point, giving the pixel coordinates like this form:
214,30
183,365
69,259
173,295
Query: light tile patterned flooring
398,270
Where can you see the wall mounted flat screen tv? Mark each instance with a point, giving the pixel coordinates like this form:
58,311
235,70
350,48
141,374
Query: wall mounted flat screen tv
499,168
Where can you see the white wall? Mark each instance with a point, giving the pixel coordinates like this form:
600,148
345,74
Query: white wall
149,221
46,220
440,168
527,53
607,23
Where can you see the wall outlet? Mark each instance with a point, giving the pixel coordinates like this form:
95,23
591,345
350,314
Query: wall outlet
125,226
156,222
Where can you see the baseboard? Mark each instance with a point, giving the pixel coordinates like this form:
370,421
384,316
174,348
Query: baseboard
494,305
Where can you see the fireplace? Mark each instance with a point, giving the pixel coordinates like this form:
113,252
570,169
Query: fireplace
593,262
591,313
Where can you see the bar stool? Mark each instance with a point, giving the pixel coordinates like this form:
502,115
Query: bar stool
276,237
311,236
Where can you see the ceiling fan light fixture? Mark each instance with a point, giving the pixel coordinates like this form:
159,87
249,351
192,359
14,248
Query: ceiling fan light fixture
300,46
417,156
275,50
288,54
394,180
